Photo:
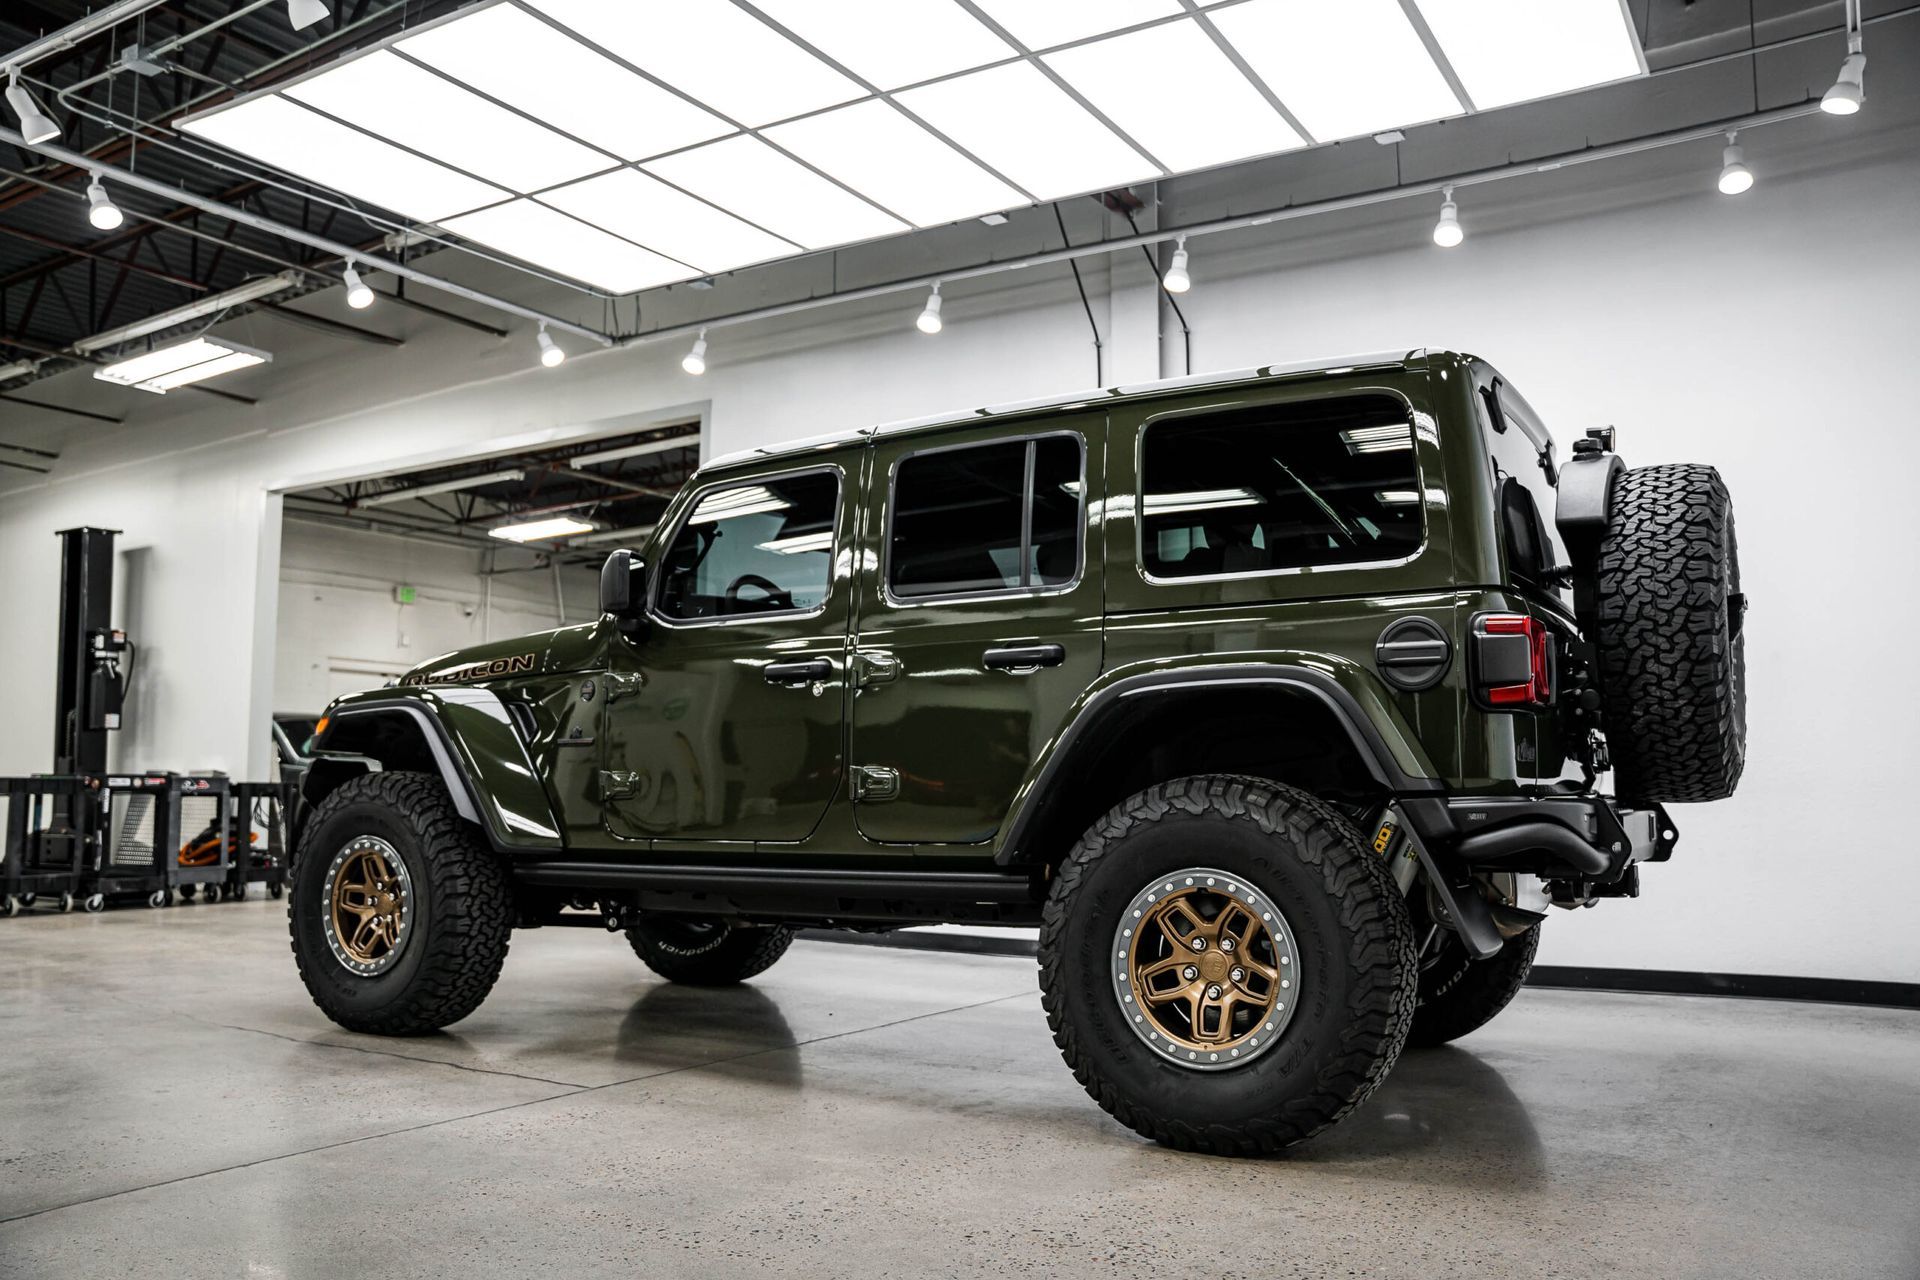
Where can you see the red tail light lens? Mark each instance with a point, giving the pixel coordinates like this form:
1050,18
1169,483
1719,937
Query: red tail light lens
1513,663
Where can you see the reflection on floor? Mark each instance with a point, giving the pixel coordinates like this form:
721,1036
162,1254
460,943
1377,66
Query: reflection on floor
173,1105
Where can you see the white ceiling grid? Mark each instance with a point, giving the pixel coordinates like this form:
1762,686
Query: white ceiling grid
634,145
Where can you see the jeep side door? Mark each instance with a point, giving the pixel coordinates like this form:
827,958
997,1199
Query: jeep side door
979,620
725,719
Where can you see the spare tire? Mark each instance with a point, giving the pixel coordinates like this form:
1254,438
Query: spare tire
1673,680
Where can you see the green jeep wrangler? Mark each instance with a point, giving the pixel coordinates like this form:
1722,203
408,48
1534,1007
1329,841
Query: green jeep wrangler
1277,700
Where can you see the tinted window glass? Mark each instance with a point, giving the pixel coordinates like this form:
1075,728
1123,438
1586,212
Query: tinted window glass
1279,487
1528,499
963,522
765,547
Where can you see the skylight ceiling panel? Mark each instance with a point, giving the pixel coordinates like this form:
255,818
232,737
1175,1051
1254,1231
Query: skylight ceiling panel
1508,51
644,209
750,178
1028,128
1041,24
286,135
395,99
550,239
878,151
1347,69
1202,110
556,78
716,53
892,43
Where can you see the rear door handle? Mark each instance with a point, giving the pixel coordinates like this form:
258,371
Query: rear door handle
810,671
1025,657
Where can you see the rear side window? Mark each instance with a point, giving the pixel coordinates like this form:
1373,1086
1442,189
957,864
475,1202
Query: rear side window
759,548
1281,486
1526,481
985,518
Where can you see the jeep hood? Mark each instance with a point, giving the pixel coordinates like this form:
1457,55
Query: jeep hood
564,649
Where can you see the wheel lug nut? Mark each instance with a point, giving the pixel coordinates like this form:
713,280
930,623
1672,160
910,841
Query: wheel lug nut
1213,992
1226,944
1198,944
1189,973
1238,975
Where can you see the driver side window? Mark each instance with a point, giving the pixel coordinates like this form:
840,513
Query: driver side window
763,547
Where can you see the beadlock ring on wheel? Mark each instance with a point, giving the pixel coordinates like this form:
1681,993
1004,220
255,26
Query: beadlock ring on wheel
1204,969
369,906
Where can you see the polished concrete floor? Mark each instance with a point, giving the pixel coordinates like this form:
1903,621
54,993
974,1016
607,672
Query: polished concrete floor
172,1105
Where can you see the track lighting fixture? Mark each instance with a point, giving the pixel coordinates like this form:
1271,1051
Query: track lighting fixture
1447,232
359,292
1849,91
550,352
1177,280
929,321
302,14
102,212
35,125
695,361
1735,177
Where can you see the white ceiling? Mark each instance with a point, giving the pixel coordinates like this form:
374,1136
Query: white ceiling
633,145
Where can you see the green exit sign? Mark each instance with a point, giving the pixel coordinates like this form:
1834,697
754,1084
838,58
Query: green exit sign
405,594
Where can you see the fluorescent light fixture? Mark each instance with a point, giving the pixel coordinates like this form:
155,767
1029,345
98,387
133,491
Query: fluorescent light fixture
302,14
1029,129
288,136
891,43
36,126
1447,232
1396,497
1176,280
667,220
1508,51
929,321
1394,438
799,544
541,530
403,102
1344,69
548,238
1047,23
185,362
444,486
1154,504
551,355
102,212
717,54
1849,91
634,531
879,151
1735,177
1202,111
359,292
213,304
695,361
555,78
775,191
689,441
747,500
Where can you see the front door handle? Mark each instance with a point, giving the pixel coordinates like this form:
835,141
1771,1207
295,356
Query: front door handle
1025,657
809,671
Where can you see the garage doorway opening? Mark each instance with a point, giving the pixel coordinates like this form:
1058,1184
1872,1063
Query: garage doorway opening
379,574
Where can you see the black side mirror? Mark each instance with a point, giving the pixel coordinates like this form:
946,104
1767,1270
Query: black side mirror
623,581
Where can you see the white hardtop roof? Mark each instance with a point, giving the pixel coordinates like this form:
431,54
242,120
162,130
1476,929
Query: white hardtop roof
1346,364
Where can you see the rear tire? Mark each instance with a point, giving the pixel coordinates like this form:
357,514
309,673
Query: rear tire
1336,914
452,943
1673,679
1459,994
707,953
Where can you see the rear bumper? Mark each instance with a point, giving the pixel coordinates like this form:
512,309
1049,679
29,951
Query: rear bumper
1575,837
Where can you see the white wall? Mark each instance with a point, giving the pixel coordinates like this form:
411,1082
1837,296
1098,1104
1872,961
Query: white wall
340,627
1769,335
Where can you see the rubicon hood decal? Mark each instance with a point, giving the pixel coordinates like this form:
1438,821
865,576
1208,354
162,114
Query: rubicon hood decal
520,664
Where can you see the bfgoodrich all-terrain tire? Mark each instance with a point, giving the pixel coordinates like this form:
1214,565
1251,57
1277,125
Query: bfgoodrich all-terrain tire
400,914
1225,966
707,953
1673,679
1459,994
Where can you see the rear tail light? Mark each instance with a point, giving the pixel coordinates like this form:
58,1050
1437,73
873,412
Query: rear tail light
1512,662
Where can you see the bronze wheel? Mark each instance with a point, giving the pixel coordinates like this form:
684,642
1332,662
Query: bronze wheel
369,905
1204,968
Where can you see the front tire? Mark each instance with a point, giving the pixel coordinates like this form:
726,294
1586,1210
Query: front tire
1459,994
401,914
1339,936
707,953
